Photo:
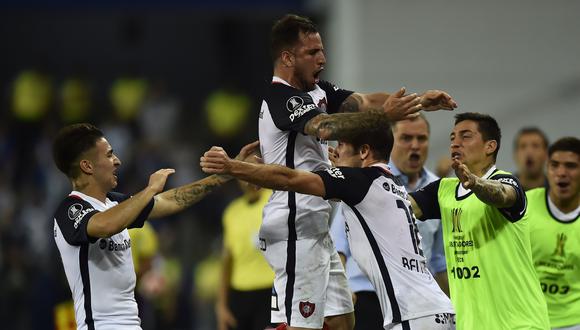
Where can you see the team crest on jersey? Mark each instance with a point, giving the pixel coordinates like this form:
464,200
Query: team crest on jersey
294,103
560,242
74,210
335,173
306,308
456,217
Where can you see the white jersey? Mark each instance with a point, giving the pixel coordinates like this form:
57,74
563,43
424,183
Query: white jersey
285,111
99,271
384,241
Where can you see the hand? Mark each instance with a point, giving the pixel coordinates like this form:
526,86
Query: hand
464,175
225,318
215,161
434,100
157,180
248,152
333,156
401,107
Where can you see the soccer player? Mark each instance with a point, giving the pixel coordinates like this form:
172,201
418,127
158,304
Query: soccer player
246,284
530,155
90,226
555,234
381,230
492,280
407,164
298,114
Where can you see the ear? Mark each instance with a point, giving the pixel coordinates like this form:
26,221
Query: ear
490,147
86,166
287,58
364,151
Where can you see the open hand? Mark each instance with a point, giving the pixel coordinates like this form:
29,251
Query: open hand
157,180
463,173
434,100
401,107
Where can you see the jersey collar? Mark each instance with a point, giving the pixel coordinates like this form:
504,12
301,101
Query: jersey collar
278,80
87,198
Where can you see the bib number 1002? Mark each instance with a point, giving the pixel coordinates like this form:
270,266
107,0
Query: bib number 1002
465,272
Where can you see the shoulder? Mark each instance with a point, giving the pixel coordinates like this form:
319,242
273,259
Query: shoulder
282,93
73,207
117,197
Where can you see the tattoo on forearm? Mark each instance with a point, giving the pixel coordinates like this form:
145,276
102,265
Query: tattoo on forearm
493,192
190,194
344,125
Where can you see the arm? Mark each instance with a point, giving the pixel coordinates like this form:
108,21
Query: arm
416,209
224,315
178,199
491,192
340,125
114,220
397,104
216,161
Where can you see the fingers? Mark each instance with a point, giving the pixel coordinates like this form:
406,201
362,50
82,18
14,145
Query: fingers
400,92
165,171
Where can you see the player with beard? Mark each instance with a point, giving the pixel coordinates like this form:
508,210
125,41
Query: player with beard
530,155
298,115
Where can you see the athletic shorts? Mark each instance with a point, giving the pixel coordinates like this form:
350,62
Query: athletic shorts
441,321
310,281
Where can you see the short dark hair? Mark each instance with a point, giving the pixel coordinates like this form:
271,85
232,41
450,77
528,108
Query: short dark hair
486,125
377,133
531,130
70,143
286,32
568,143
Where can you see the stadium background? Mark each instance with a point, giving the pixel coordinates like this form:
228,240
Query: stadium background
168,79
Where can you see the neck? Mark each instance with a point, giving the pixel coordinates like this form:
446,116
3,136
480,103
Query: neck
287,74
480,169
372,161
565,205
532,181
413,179
88,189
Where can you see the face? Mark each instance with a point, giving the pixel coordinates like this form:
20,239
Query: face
105,164
309,60
564,175
530,154
411,145
347,155
467,144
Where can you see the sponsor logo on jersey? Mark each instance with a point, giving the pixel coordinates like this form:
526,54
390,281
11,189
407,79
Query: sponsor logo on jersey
335,173
509,181
306,308
76,213
456,219
560,242
110,245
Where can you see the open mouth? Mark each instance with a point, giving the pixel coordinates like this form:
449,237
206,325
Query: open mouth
563,185
455,155
317,74
529,163
414,158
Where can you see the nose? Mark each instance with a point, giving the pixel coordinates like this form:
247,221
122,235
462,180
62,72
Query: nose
117,161
322,58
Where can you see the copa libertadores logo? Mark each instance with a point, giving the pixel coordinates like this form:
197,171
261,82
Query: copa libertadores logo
560,242
456,217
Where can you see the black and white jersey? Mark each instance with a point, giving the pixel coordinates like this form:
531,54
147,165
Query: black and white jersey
284,113
99,271
384,241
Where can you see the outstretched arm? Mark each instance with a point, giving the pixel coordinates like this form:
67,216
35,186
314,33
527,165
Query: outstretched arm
277,177
491,192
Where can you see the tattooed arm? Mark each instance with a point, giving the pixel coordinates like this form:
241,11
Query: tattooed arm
177,199
491,192
341,125
363,102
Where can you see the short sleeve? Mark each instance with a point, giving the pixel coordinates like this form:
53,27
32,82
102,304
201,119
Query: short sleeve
140,220
334,95
290,108
346,183
516,211
72,217
428,201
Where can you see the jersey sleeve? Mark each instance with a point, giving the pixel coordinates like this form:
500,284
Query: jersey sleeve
290,108
334,95
345,183
516,211
140,220
72,217
428,201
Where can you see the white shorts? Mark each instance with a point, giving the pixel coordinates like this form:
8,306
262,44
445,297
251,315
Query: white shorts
310,281
441,321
